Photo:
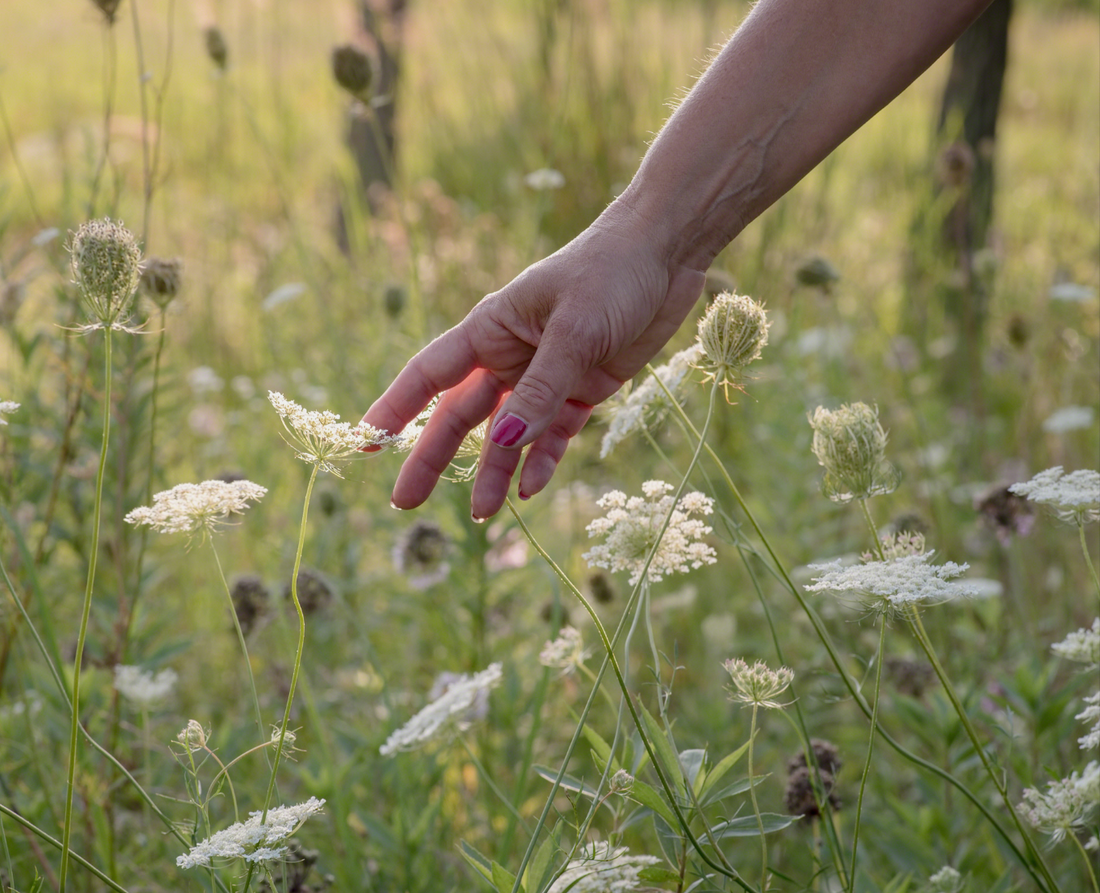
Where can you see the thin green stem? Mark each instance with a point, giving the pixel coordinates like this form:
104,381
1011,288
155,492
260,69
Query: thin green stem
492,784
1088,558
1088,862
756,806
871,743
874,530
97,511
991,770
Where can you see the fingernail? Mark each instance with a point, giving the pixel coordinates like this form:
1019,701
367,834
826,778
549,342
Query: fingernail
394,505
476,519
523,496
507,430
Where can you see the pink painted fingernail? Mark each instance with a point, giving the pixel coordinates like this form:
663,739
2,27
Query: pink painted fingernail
508,430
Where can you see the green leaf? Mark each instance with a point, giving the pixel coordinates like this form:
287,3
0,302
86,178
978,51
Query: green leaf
504,880
600,747
659,875
568,782
691,764
747,826
666,755
476,861
721,768
541,867
642,793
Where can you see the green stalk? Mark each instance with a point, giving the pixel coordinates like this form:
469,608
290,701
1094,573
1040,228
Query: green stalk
871,743
97,512
1088,862
756,806
1088,558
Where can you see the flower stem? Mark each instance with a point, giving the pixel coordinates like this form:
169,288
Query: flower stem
756,806
1088,862
871,743
97,511
1088,558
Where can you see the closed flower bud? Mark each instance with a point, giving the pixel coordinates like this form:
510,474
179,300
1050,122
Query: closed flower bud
731,335
816,272
353,70
622,782
394,299
850,444
160,279
216,47
193,736
106,264
109,8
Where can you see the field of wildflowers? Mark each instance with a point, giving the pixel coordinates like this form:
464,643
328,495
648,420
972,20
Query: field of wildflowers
812,605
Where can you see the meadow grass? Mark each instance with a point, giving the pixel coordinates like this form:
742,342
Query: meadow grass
249,171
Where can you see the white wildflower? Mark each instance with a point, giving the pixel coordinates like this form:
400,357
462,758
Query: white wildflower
894,584
1067,805
1082,646
946,880
1091,713
545,178
7,407
566,652
321,438
193,736
187,508
1069,418
601,868
452,711
648,401
142,686
732,334
1076,495
759,684
252,840
632,525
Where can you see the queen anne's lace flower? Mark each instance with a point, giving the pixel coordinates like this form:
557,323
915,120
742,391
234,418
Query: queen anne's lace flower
1091,713
758,685
106,264
451,712
732,334
894,584
631,527
187,508
252,840
1068,804
7,407
1082,646
1076,495
850,444
142,686
601,868
648,401
946,880
321,438
566,652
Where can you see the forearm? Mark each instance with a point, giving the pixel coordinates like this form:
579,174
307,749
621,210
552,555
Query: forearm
795,81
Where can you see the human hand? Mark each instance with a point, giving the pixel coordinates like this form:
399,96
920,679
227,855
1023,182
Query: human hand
536,357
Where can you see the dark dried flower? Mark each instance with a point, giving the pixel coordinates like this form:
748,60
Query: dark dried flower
910,677
109,8
421,554
394,299
1007,513
955,165
216,47
800,798
160,279
353,70
826,755
601,587
250,600
816,272
314,592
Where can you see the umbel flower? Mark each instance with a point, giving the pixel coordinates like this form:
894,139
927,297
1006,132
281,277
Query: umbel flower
7,407
321,438
193,736
602,868
1091,713
892,585
1067,805
353,70
1082,646
564,653
631,527
1076,495
160,279
758,685
850,444
252,840
106,263
142,686
647,401
188,508
732,334
456,707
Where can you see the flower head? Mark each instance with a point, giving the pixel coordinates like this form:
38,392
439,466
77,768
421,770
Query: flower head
758,685
321,438
850,444
1082,646
631,527
142,686
732,334
622,782
7,407
421,553
946,880
193,736
894,584
160,279
648,401
602,868
1091,713
353,70
452,711
188,508
1069,418
566,652
1076,495
252,840
1067,805
545,179
106,263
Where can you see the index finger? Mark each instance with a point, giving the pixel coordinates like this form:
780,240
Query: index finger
448,360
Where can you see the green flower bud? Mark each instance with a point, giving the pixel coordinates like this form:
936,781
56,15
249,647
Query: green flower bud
731,334
850,444
106,264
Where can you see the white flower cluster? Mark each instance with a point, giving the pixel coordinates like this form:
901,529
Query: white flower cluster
321,438
1082,646
1067,805
1076,495
894,584
143,687
566,652
1091,713
7,407
632,526
447,714
648,401
602,868
758,685
187,508
1068,418
946,880
252,840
